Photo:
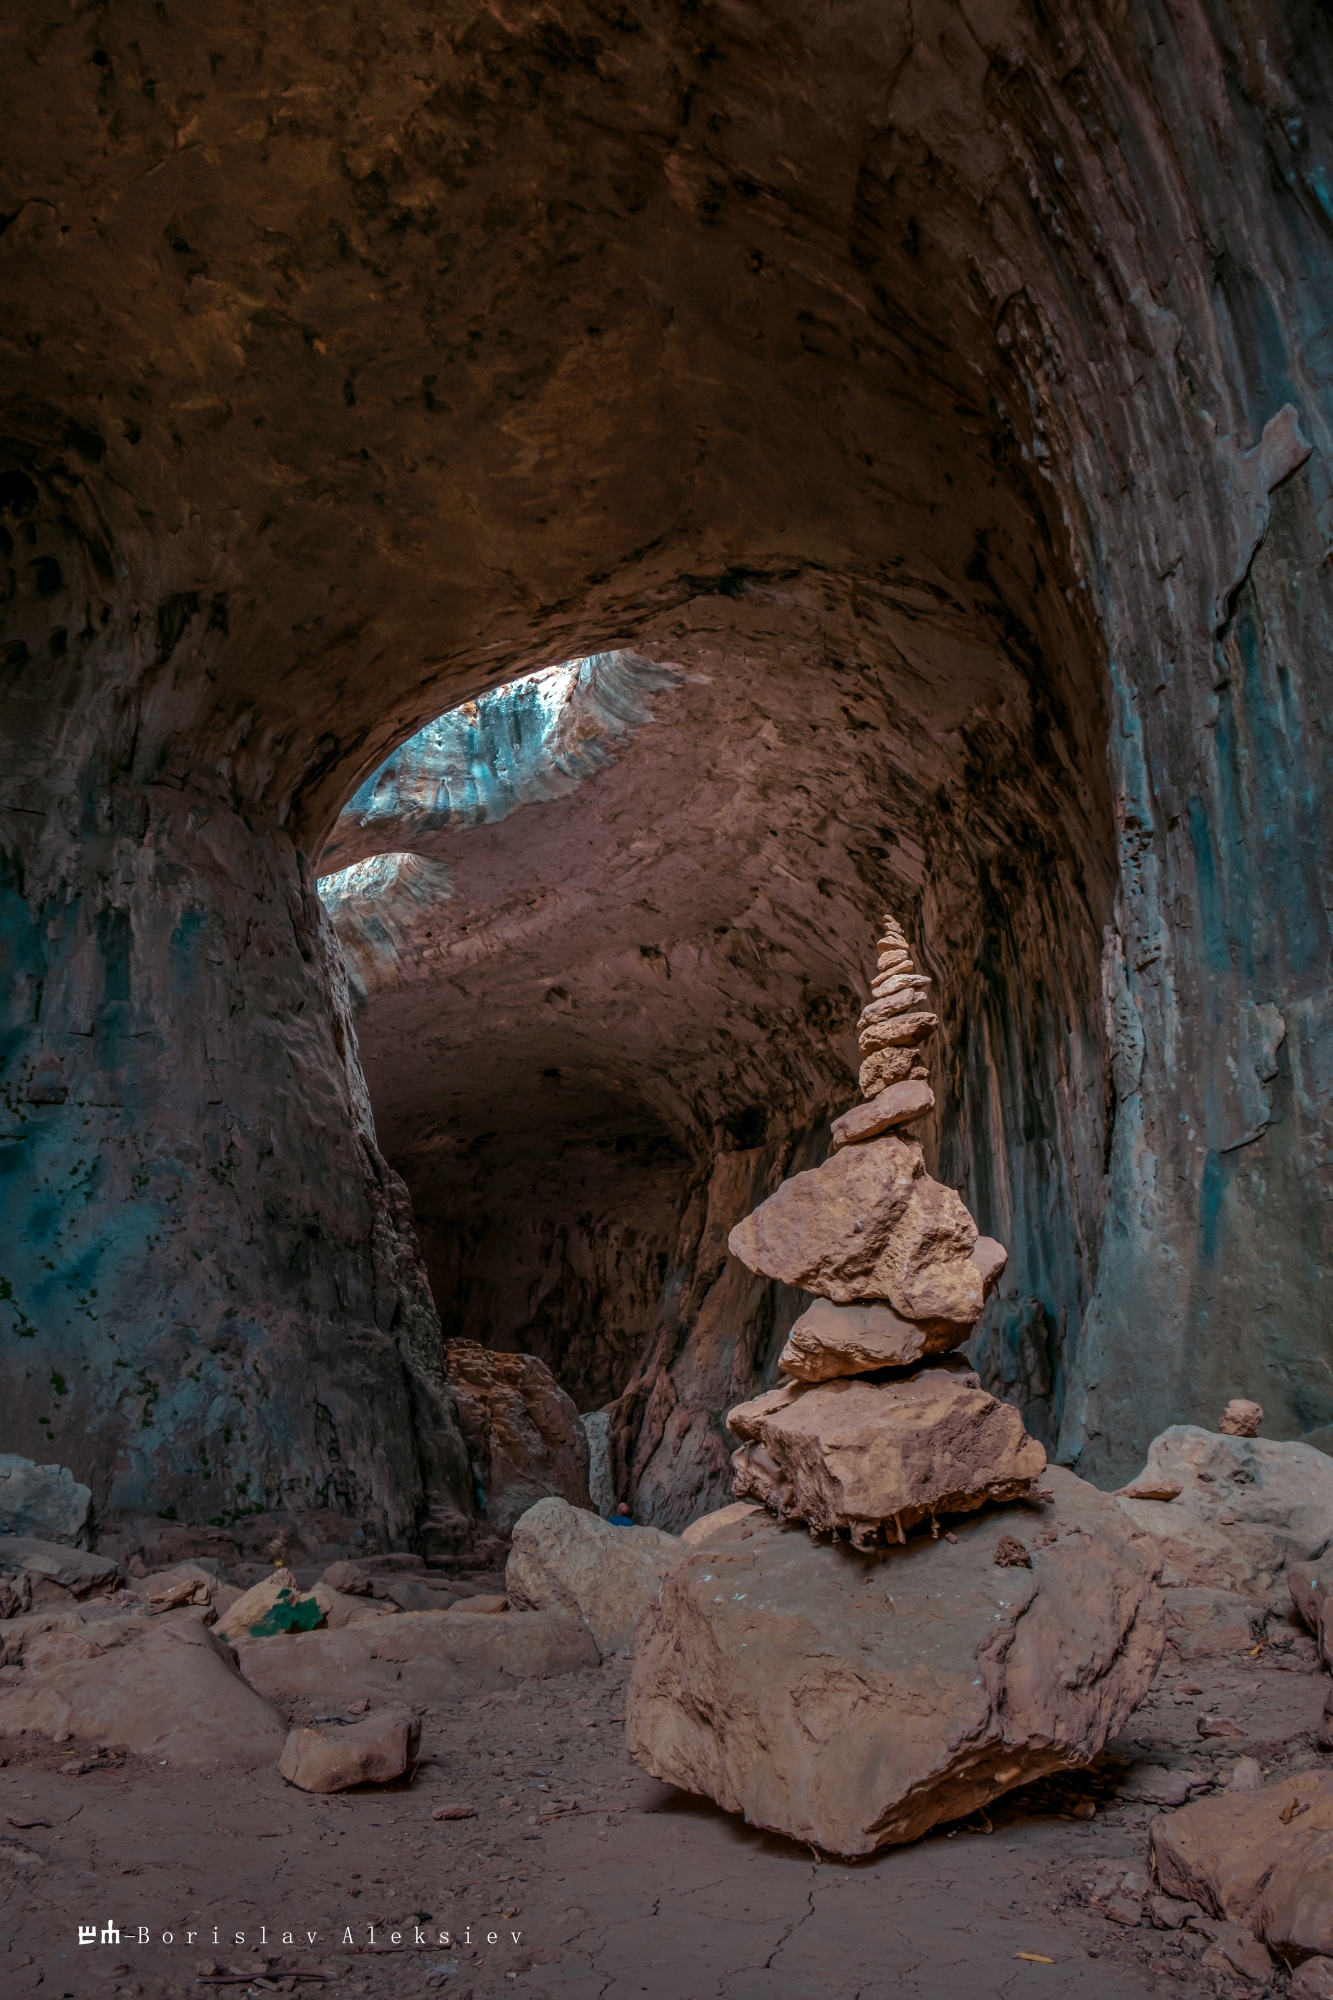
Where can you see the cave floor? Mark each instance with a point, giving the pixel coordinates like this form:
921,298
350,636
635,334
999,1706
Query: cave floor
615,1885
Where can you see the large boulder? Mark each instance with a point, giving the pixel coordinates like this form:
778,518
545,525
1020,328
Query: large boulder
869,1224
522,1431
565,1557
1262,1858
173,1694
855,1701
1246,1509
870,1458
435,1658
43,1500
72,1569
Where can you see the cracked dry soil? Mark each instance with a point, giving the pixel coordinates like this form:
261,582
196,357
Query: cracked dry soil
616,1886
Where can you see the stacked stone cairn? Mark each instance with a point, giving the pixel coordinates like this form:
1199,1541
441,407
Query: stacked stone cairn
880,1426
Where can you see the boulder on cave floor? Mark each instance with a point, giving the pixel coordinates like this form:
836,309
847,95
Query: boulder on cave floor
869,1224
870,1458
73,1570
522,1431
568,1558
428,1657
45,1501
855,1701
1262,1858
172,1693
1207,1624
1246,1510
330,1757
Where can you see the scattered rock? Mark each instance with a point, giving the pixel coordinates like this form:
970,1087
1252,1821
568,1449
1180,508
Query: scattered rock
1241,1419
565,1556
701,1532
1011,1554
1168,1913
1204,1624
15,1595
255,1604
186,1583
772,1680
1248,1508
45,1501
175,1694
1155,1785
73,1569
522,1431
323,1758
1311,1586
1221,1852
434,1658
1313,1980
1233,1948
347,1578
454,1812
1296,1910
899,1104
1148,1488
864,1458
1218,1725
869,1224
1123,1909
485,1605
1246,1775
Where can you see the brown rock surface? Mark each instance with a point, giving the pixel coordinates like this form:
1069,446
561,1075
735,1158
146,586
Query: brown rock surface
1222,1851
252,1604
566,1557
1202,1624
1311,1587
902,1031
869,1224
874,1459
829,1340
1296,1909
1241,1418
330,1759
174,1693
419,1656
888,1066
899,1104
1247,1509
1313,1980
522,1431
855,1702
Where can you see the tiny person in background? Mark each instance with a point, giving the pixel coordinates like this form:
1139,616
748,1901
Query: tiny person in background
622,1518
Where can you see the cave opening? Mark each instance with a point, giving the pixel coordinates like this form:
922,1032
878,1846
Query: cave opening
607,931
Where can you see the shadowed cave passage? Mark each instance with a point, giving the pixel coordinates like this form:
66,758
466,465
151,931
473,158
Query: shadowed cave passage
605,1004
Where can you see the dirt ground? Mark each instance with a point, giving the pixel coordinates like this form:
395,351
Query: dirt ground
579,1876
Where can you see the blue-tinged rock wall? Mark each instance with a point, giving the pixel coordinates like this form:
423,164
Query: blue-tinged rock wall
210,1297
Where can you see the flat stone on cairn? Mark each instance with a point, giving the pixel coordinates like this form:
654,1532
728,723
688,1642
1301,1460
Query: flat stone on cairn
769,1677
850,1456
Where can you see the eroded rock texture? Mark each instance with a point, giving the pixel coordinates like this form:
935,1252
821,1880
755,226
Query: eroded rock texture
943,399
